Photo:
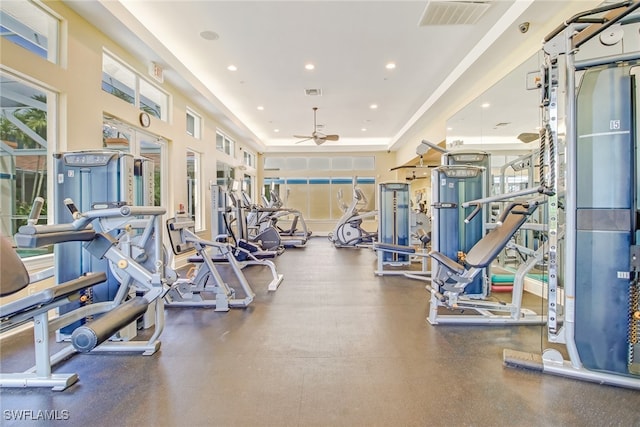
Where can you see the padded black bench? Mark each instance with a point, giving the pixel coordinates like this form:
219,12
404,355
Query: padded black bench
453,276
14,278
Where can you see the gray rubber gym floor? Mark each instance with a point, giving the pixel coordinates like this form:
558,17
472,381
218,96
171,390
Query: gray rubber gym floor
334,346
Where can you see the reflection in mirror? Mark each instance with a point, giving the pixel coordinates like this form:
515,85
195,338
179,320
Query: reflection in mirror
508,110
504,121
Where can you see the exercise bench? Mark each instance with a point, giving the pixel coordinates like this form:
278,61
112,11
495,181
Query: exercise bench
450,278
36,308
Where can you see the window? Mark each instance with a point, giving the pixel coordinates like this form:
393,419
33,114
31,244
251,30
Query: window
150,157
118,80
225,174
247,185
122,82
225,144
320,198
249,159
346,163
194,206
31,27
153,100
194,124
24,149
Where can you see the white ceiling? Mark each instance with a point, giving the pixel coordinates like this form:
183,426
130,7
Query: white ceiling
439,69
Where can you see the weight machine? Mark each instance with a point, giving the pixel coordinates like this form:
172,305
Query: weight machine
193,291
394,234
135,258
593,289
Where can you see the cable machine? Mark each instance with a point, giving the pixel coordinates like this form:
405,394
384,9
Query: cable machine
593,291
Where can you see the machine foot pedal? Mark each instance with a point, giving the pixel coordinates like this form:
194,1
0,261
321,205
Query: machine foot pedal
522,359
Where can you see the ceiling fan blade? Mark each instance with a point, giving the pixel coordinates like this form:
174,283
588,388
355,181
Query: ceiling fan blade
402,167
303,136
332,137
306,139
527,137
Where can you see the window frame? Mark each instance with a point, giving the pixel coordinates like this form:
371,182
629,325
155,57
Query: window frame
197,124
54,23
139,81
195,195
228,144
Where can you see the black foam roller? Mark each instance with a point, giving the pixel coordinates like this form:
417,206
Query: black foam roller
87,337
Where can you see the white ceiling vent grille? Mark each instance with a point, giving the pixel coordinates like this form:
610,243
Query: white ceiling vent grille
453,12
313,92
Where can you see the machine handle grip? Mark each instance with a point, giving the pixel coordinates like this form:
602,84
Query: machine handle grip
72,208
478,207
34,214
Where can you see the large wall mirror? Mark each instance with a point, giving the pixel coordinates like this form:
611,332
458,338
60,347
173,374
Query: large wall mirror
494,120
504,121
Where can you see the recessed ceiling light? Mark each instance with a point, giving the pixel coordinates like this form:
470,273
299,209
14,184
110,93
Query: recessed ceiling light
390,66
232,68
209,35
363,129
260,107
449,128
276,130
309,66
486,105
373,106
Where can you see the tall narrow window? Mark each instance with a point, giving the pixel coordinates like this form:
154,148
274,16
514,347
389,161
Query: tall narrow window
153,149
153,100
248,185
194,124
194,205
249,159
24,148
225,174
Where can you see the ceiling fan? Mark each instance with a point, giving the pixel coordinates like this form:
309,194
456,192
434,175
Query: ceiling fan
318,137
413,177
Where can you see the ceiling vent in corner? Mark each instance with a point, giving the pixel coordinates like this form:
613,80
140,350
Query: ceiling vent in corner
313,92
453,12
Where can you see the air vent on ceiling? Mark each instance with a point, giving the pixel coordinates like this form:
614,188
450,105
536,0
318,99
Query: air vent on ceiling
453,12
313,92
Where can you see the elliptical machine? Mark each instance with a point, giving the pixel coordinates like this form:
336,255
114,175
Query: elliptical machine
348,232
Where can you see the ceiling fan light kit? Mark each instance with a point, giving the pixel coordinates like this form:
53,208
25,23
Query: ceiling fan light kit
318,137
